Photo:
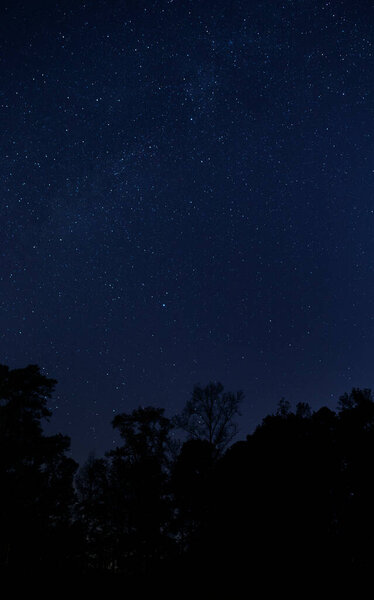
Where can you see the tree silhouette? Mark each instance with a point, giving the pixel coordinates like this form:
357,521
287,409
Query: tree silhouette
36,476
145,432
139,473
209,415
298,491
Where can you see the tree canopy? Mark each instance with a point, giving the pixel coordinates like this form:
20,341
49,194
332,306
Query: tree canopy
297,491
210,413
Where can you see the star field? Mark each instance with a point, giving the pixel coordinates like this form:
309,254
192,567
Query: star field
187,195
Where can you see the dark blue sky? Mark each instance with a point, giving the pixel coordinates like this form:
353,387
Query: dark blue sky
187,195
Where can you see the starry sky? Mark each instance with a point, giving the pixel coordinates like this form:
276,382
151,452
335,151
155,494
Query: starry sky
187,195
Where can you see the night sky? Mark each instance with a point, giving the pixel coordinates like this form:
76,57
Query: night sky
187,195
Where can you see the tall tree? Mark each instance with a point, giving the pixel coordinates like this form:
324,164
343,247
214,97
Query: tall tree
139,473
36,476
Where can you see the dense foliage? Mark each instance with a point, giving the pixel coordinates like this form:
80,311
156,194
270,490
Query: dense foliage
295,496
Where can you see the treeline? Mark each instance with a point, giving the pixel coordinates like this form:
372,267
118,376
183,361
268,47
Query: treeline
296,496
